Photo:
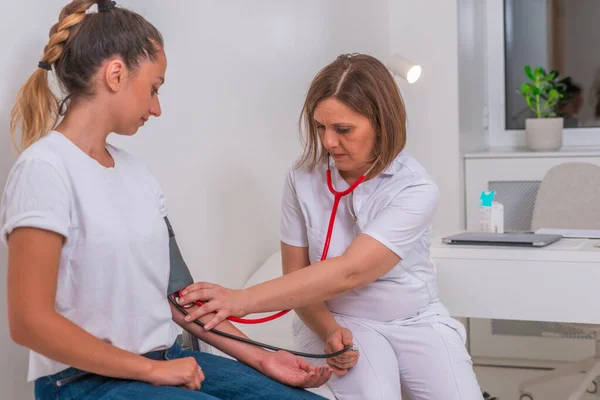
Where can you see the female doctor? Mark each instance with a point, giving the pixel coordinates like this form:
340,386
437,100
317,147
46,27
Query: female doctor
377,287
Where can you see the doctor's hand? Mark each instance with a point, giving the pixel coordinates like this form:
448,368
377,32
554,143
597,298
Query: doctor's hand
222,301
337,339
293,371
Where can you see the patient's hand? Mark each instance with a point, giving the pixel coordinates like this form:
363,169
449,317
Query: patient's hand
336,340
294,371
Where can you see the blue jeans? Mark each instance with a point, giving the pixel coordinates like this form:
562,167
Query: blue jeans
224,379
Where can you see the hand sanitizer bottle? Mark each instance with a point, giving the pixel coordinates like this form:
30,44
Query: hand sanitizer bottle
491,214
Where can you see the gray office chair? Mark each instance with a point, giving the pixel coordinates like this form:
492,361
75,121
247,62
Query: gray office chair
569,198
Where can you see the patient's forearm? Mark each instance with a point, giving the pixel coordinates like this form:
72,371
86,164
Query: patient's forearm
318,319
246,353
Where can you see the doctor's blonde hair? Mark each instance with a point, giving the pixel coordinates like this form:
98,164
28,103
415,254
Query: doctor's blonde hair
365,85
79,43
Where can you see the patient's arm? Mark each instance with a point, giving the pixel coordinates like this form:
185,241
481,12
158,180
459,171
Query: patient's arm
243,352
281,366
179,278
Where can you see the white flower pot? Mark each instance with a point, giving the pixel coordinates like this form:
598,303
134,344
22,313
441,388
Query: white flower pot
544,134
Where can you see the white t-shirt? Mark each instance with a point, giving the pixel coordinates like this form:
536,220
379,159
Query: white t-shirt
395,208
114,265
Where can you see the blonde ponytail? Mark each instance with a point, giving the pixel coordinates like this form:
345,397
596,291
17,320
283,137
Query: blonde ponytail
36,110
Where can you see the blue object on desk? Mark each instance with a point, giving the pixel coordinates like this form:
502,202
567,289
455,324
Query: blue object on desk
487,198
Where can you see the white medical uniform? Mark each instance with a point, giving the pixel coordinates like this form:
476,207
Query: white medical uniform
114,266
408,342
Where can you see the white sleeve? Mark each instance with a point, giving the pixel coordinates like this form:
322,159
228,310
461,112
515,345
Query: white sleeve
400,225
35,196
292,225
155,186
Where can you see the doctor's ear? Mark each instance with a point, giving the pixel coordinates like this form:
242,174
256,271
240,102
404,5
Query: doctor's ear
115,74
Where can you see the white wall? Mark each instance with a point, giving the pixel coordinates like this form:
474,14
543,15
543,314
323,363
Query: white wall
237,75
472,85
238,72
427,34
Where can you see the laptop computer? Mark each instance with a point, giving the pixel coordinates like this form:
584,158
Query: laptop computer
502,239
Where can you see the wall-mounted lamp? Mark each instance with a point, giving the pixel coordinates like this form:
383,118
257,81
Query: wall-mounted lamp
404,68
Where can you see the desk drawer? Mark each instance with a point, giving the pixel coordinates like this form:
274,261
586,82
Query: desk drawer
501,294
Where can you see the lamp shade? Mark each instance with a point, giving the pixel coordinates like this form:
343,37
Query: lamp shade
404,68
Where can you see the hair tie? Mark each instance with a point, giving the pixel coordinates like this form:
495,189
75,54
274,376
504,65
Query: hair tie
45,65
104,6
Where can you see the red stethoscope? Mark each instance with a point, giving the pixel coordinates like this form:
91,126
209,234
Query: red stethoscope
336,202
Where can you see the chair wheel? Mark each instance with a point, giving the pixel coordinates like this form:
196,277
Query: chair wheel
526,396
594,388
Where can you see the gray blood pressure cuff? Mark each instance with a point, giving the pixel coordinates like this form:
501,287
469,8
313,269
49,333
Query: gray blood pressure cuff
180,276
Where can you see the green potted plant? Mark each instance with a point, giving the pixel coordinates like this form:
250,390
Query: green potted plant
542,93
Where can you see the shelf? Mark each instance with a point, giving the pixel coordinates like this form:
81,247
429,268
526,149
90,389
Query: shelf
508,152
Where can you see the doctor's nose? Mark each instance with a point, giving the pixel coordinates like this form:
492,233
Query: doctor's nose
330,139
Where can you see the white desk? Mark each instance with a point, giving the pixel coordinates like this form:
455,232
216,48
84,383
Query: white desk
559,283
